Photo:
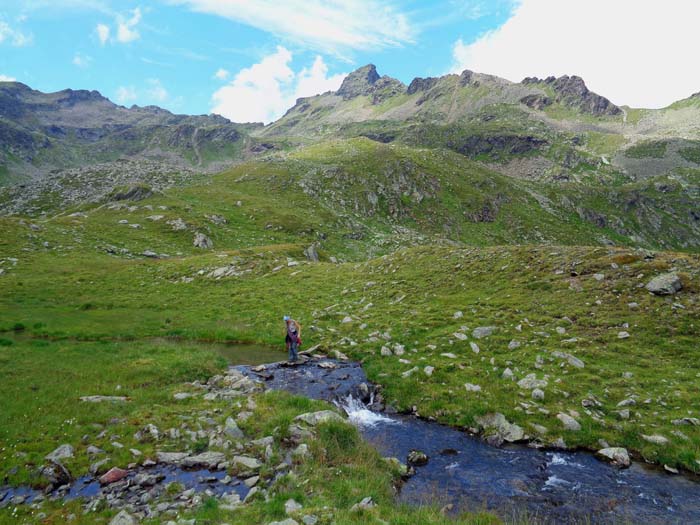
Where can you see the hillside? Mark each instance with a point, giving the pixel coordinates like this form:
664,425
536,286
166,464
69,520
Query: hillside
44,132
517,261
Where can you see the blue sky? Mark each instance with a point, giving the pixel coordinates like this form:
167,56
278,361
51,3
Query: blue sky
250,59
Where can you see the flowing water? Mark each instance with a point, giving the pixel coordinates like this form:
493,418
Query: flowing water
516,481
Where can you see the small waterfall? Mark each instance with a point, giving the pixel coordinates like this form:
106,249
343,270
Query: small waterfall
361,416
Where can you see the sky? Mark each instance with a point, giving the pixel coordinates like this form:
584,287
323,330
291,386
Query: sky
249,60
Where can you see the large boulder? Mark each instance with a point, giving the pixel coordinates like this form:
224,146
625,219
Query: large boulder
55,474
617,455
499,425
665,284
569,422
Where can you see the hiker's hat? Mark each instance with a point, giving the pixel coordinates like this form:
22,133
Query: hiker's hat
286,318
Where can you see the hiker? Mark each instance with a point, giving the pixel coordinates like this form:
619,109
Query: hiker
292,338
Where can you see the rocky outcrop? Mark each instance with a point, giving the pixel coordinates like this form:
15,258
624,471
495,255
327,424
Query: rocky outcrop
421,84
365,81
359,82
573,92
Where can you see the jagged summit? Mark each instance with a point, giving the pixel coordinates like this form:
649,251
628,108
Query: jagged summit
571,91
365,81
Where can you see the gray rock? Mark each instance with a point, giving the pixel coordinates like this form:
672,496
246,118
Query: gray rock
310,519
180,396
472,388
366,503
498,423
617,455
63,452
530,382
656,439
301,452
246,462
507,374
288,521
538,395
101,399
207,459
291,506
231,429
202,241
569,422
55,474
171,458
311,253
665,284
322,416
483,331
428,370
123,518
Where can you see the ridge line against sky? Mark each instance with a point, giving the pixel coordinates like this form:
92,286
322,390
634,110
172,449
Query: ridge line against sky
250,59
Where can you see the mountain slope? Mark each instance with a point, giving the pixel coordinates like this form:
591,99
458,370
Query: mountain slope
40,132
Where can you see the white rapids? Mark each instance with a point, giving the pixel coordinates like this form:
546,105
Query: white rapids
361,416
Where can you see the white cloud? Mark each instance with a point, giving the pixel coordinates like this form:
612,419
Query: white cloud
125,94
5,78
264,91
156,91
221,74
126,28
102,33
81,60
635,53
330,26
14,36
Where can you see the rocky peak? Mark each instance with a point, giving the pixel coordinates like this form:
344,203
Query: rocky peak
573,92
421,84
359,82
70,97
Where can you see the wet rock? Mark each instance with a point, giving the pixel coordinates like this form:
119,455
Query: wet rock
499,425
483,331
55,474
670,470
665,284
123,518
569,422
63,452
417,458
113,475
617,455
207,459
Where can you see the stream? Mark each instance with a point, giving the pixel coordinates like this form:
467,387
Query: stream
516,482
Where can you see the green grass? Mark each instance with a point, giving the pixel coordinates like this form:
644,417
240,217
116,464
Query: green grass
691,153
648,149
